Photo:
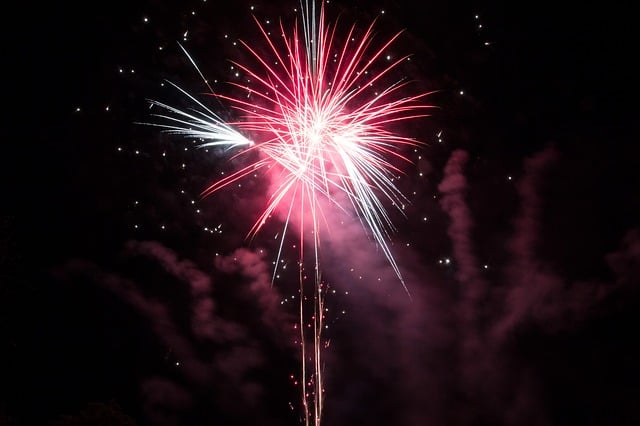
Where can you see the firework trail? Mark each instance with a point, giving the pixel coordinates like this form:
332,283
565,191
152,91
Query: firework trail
321,136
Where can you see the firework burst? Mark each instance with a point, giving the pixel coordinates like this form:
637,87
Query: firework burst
322,133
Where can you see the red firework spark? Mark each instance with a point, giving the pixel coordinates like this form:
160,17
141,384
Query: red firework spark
317,127
320,133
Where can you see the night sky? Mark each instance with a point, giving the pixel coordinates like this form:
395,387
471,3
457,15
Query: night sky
126,298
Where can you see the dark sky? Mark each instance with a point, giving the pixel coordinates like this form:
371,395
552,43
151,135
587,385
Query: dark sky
120,286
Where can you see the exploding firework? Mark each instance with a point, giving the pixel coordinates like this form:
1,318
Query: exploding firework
323,139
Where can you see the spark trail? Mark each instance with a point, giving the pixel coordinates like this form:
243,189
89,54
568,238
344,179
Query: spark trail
322,133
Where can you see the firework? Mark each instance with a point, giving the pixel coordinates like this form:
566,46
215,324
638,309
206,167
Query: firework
322,134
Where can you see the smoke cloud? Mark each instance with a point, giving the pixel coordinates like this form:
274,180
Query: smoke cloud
215,353
449,351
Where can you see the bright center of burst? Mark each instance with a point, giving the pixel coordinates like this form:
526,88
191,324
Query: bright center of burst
310,147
